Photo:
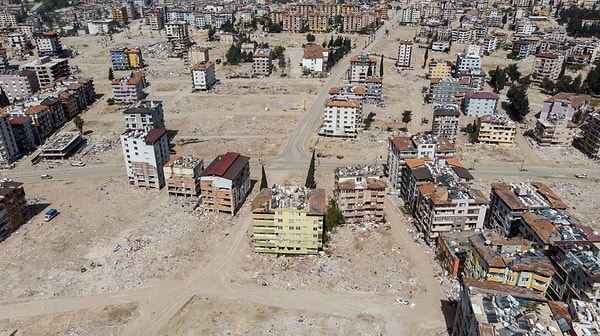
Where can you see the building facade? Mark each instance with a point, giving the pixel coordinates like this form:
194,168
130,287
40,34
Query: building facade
362,67
144,115
479,104
359,192
128,89
48,44
342,118
19,84
445,122
182,175
225,183
146,153
14,211
48,70
203,76
496,129
262,62
404,54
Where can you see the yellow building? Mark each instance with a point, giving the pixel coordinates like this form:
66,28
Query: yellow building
496,129
288,220
439,69
508,262
134,55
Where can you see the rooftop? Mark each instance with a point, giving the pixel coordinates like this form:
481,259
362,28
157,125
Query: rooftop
228,165
290,197
527,196
186,162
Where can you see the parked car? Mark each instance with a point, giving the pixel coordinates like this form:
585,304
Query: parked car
402,301
6,180
50,214
78,163
582,175
46,177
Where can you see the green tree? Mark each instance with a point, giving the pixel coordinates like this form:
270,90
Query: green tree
234,55
369,72
512,71
504,19
263,178
406,117
518,101
310,38
4,101
111,75
333,217
310,177
381,67
592,80
547,85
425,57
78,121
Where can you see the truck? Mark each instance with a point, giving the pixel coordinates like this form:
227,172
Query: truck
50,214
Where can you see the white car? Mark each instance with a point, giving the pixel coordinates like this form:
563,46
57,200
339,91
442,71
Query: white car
582,175
6,180
77,163
402,301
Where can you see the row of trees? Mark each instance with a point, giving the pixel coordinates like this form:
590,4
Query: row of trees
338,49
574,17
499,76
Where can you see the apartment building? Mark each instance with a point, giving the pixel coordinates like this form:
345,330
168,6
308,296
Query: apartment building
225,183
48,70
373,90
14,211
119,14
590,138
546,66
17,43
25,133
411,15
8,144
102,26
57,112
288,220
145,152
178,35
564,105
19,84
126,58
508,203
522,48
128,89
182,175
41,118
144,115
8,19
442,197
495,129
362,67
360,192
479,104
554,131
577,274
475,78
419,146
48,44
445,122
262,62
404,54
194,55
447,90
439,69
156,18
203,76
488,308
508,262
467,62
342,118
347,92
315,58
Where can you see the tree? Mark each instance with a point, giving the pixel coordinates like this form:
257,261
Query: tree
310,38
234,55
406,117
369,72
500,80
263,179
547,85
381,67
504,19
111,75
333,217
4,101
518,101
513,72
310,177
425,57
592,80
78,121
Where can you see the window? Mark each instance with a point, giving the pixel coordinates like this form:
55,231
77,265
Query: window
291,228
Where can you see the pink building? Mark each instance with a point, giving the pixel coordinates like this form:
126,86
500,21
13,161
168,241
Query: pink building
564,105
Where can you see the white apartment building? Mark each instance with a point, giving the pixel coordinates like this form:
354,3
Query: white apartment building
8,144
411,15
361,68
467,62
547,66
479,104
203,76
525,27
178,35
404,54
342,118
489,44
262,62
144,115
19,84
445,121
8,19
315,58
146,153
102,26
48,44
48,70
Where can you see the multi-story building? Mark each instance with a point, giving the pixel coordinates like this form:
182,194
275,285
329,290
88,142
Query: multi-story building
119,14
178,35
225,183
467,62
195,55
102,26
547,66
479,104
509,262
522,48
445,122
495,129
359,192
146,153
203,76
182,175
41,118
126,58
347,92
577,274
411,15
57,112
8,144
488,308
439,69
144,115
554,131
475,78
262,62
590,137
19,84
419,146
404,54
17,43
342,118
447,91
128,89
48,70
48,44
564,105
362,67
14,211
442,197
8,19
288,220
373,89
25,133
508,202
156,18
315,58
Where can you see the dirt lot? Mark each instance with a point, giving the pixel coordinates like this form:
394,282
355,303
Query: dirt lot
110,237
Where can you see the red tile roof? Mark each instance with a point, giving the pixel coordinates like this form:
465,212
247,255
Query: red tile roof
155,134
